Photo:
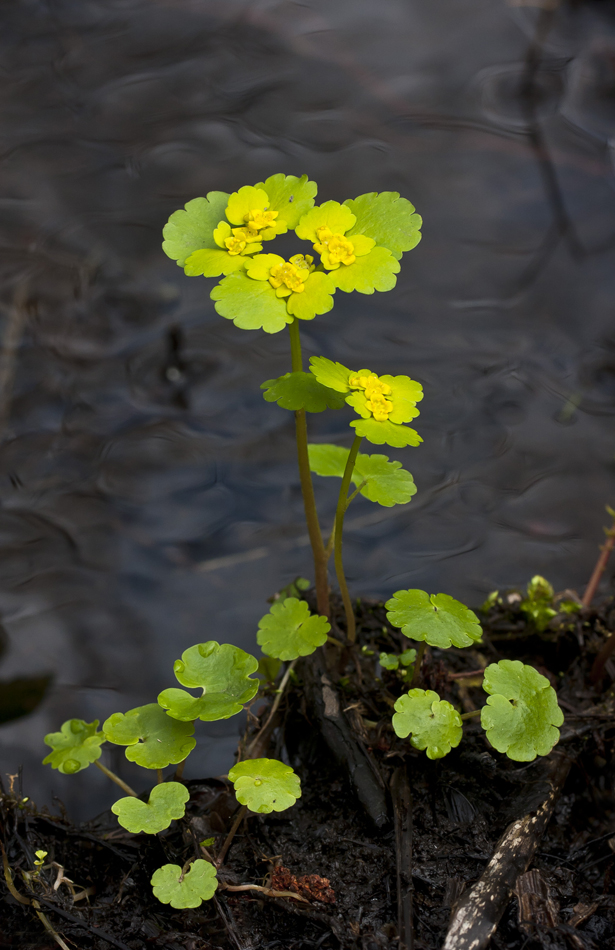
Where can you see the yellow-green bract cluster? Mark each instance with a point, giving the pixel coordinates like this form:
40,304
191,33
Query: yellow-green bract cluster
359,244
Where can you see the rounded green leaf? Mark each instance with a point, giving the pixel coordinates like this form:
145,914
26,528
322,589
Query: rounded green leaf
386,433
265,785
389,661
522,712
75,747
212,262
388,219
301,391
432,723
331,214
387,483
330,374
166,802
438,619
290,196
154,740
250,304
222,672
198,884
375,271
192,229
289,630
316,298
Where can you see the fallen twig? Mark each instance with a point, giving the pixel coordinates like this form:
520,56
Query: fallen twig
480,909
267,891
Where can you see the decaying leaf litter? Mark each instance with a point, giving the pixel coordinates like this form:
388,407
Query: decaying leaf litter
348,870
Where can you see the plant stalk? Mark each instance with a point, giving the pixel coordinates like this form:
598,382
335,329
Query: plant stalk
274,707
307,488
605,553
470,715
342,504
418,662
229,838
115,778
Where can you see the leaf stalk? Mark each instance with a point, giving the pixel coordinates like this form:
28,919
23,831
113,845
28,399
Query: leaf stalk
115,778
342,504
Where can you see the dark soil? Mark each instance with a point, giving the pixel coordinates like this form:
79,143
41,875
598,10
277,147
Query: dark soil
327,849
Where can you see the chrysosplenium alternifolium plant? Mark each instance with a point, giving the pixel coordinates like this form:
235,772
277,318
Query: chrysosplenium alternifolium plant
354,246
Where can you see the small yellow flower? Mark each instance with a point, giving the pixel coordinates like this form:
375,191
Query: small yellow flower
257,219
289,276
334,249
375,392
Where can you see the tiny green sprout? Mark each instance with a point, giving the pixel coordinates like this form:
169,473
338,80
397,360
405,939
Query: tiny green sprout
389,661
76,746
289,630
265,785
222,672
268,668
301,391
567,606
432,723
366,651
207,843
538,605
438,619
40,859
491,601
522,713
171,886
166,802
384,482
154,740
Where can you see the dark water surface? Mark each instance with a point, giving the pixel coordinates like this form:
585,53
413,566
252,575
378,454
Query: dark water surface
149,497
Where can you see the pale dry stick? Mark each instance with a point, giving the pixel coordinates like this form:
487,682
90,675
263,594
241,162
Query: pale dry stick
605,552
274,707
115,778
16,318
267,891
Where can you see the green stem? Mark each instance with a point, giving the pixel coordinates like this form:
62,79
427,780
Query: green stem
470,715
416,676
115,778
307,489
342,504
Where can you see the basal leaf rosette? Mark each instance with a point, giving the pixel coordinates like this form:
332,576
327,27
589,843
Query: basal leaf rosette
432,723
301,391
382,481
216,235
182,889
289,630
154,740
222,672
76,746
265,785
384,403
352,257
522,713
439,620
166,802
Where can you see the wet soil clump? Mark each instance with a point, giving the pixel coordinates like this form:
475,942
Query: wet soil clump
351,878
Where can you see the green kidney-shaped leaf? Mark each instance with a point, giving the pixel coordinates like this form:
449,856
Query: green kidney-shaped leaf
432,723
387,483
522,712
301,391
192,229
166,802
386,433
333,375
250,304
75,747
289,630
438,619
388,219
265,785
222,672
375,271
316,298
154,740
290,196
198,884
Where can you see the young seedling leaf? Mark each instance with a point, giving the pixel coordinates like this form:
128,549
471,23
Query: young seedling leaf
166,802
388,219
192,229
538,605
268,668
376,271
222,672
438,619
290,196
408,657
289,630
181,891
432,723
75,747
301,391
154,740
522,713
265,785
389,661
386,482
250,304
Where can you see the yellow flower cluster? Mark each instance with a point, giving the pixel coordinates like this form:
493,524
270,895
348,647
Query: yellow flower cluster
376,392
334,249
291,274
256,221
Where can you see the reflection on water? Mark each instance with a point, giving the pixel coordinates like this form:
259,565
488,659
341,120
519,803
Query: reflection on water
149,496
